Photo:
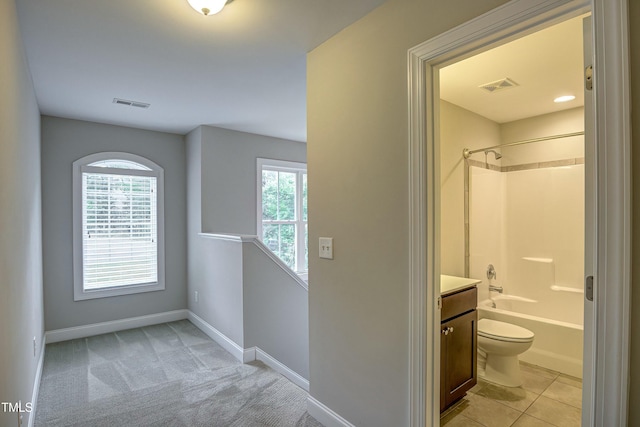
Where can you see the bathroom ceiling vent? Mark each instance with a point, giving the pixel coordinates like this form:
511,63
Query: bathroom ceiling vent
131,103
492,87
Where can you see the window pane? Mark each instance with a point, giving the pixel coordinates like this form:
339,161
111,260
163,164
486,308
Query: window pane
119,221
286,196
119,164
269,195
306,248
280,238
304,197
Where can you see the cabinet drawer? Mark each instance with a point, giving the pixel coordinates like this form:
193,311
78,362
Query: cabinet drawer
458,303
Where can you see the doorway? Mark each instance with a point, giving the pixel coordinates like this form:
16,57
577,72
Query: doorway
512,172
606,404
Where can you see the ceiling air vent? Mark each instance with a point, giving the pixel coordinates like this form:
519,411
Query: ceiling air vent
131,103
505,83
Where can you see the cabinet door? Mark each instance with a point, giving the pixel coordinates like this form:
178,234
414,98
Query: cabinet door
459,357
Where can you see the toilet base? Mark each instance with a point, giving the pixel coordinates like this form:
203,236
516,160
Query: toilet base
503,370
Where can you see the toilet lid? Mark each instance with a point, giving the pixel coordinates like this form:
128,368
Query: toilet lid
503,331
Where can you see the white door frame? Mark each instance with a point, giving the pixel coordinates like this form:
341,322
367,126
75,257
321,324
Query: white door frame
607,388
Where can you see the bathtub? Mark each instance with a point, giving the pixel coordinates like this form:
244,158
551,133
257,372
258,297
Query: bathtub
557,344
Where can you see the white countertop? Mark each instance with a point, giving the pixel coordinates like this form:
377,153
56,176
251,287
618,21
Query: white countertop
450,284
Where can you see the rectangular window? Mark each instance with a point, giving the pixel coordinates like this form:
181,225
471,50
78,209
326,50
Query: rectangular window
282,211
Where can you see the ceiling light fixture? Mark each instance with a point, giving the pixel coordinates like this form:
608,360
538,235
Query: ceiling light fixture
564,98
208,7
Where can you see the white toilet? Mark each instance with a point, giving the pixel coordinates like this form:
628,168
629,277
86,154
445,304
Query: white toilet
499,345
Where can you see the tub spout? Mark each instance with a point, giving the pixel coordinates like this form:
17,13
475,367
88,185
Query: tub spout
497,289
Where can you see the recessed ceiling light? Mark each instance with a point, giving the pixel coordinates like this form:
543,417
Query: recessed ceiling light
565,98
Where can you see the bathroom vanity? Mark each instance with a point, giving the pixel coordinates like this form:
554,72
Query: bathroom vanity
458,338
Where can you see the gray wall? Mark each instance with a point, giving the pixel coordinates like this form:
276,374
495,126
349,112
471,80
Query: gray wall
63,142
221,168
358,170
217,276
276,311
215,267
21,311
229,176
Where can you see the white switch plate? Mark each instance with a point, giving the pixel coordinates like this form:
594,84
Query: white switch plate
326,247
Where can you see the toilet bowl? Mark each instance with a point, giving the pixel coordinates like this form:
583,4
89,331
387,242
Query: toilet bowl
499,345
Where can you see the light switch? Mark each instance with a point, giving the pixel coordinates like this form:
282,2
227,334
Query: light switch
326,247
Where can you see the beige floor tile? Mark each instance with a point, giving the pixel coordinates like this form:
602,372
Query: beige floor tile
566,379
454,418
529,421
538,370
564,393
459,421
476,388
514,397
536,380
489,412
554,412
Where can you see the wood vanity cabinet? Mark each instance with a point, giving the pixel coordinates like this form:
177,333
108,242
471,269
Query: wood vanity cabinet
458,345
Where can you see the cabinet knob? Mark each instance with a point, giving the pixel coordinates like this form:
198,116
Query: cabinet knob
451,329
447,331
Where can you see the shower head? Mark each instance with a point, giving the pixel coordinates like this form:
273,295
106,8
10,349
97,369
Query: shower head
495,153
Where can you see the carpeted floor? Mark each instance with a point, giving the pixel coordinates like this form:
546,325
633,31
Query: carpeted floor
164,375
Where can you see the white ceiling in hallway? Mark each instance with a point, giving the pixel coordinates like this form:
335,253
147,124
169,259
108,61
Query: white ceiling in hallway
544,65
243,69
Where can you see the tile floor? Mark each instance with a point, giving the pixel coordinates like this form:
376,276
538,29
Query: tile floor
546,398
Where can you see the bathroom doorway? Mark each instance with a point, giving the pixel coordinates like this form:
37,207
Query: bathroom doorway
608,128
512,215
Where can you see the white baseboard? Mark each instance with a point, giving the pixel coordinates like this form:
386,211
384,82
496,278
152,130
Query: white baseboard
325,415
36,383
282,369
246,355
249,355
224,341
66,334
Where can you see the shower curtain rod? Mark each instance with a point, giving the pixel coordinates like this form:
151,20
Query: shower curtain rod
466,153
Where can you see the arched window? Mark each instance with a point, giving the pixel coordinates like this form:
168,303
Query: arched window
118,225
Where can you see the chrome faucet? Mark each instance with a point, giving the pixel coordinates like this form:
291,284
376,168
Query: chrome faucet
491,272
497,289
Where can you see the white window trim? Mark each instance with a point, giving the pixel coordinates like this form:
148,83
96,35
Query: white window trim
287,166
80,165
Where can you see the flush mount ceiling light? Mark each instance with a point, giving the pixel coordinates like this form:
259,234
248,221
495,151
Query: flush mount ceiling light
208,7
564,98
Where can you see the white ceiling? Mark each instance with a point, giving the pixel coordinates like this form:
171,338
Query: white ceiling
545,65
243,69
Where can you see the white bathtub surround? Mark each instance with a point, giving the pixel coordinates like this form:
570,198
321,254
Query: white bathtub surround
529,223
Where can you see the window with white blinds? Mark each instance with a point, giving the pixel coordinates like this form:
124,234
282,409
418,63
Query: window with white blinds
119,229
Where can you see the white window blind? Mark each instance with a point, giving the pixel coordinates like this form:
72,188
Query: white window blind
119,228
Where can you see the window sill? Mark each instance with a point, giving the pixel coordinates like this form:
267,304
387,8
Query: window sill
80,295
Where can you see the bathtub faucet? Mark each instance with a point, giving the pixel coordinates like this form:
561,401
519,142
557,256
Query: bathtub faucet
497,289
